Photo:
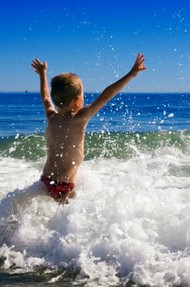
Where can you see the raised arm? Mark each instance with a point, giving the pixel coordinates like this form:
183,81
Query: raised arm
41,69
114,88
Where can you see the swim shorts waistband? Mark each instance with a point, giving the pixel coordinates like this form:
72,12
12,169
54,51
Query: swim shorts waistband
56,188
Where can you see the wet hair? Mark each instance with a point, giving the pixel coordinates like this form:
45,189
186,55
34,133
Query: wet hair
64,88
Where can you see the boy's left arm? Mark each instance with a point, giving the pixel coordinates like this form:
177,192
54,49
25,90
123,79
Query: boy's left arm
41,70
114,88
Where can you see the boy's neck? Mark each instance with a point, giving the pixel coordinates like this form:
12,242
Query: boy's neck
66,111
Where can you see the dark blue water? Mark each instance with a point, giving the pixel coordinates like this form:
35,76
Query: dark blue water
22,113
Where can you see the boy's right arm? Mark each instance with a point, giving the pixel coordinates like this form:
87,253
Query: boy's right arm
116,87
41,69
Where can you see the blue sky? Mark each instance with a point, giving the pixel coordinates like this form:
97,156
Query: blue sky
98,40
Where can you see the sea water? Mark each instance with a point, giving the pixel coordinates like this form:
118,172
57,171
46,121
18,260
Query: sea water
130,221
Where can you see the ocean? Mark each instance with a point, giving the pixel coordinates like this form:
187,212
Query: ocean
130,222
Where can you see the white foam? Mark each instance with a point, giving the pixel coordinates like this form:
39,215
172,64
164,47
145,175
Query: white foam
129,221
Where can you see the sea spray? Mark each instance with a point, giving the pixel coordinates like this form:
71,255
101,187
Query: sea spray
129,220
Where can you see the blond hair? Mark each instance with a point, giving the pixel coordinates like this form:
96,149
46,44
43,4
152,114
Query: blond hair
64,88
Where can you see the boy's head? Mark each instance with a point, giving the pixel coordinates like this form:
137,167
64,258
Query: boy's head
64,88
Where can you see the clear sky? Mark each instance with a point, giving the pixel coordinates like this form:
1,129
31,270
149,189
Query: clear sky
98,40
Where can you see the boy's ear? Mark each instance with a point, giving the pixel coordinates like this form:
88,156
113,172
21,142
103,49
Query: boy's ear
76,100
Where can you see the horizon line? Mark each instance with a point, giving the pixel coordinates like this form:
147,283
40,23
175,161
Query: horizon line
96,92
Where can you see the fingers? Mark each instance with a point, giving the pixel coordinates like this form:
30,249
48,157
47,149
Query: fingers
139,62
36,62
140,59
38,65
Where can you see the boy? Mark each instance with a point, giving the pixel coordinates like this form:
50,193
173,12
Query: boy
66,125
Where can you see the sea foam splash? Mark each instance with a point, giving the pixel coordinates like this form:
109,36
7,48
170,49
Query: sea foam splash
130,220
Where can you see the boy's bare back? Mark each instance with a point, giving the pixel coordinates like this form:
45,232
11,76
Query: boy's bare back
65,146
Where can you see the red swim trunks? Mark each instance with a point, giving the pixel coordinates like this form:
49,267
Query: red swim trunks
57,188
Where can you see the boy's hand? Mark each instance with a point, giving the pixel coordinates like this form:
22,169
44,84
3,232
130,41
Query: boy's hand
138,66
38,66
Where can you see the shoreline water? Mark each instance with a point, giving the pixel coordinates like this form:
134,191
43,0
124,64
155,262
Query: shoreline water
130,219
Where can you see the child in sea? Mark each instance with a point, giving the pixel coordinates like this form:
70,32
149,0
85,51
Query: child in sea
67,124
